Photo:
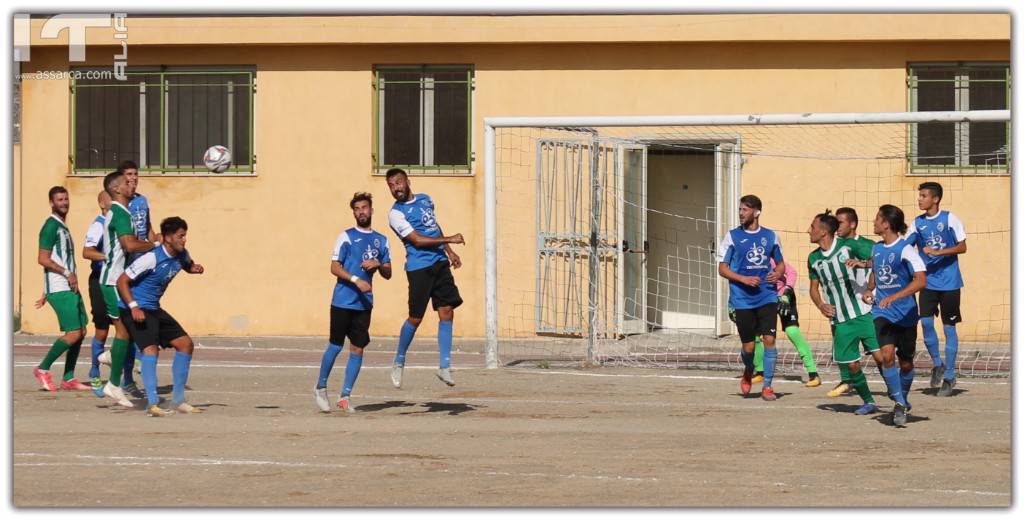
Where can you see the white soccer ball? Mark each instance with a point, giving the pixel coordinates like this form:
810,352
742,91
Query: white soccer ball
217,158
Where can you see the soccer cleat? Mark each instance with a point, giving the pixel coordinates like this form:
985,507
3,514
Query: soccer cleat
74,384
899,415
45,379
117,395
768,394
839,389
936,379
345,404
321,399
758,377
445,374
104,358
745,381
97,386
813,382
946,389
134,391
396,375
156,411
187,408
866,408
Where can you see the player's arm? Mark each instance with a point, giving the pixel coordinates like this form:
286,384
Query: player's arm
91,253
339,271
454,258
423,242
827,310
92,239
188,265
779,272
125,291
920,281
959,249
131,244
728,274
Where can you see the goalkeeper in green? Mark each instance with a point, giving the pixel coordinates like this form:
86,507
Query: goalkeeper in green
791,326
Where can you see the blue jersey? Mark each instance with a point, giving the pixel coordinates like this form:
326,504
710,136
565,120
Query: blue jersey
354,246
417,215
894,266
939,232
151,273
747,253
94,238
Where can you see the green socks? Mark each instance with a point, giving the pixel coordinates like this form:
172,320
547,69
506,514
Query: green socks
71,360
59,347
860,383
793,333
758,355
118,352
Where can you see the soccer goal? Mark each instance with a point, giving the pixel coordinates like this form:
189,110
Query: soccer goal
602,232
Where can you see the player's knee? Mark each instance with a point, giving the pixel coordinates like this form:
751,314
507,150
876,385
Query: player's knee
185,346
73,336
356,350
446,313
415,322
854,367
769,341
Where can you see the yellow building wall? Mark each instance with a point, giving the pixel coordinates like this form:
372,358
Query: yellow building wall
265,241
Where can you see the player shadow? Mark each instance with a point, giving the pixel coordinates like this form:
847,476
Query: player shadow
886,418
934,392
450,408
757,395
838,407
376,407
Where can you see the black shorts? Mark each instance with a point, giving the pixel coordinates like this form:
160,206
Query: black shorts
931,301
759,321
790,318
159,328
434,283
905,338
352,323
97,304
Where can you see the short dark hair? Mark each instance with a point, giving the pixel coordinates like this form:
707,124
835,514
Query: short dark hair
829,220
752,201
358,196
849,212
111,179
395,171
171,225
55,190
934,187
894,216
127,165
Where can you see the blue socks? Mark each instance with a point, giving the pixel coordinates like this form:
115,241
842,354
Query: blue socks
404,340
770,355
931,340
907,379
894,384
180,372
149,379
355,362
444,343
952,345
97,349
129,364
327,363
748,359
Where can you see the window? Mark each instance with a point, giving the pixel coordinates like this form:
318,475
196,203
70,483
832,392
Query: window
422,119
959,148
164,120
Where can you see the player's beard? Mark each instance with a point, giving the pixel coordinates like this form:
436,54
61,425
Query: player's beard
364,222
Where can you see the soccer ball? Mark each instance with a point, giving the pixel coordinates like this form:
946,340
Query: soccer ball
217,158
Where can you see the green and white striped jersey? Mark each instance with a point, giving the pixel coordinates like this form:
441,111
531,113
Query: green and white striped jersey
56,238
838,281
118,224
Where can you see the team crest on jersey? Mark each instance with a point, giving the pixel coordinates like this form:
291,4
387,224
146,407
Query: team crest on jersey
884,274
755,255
940,227
376,243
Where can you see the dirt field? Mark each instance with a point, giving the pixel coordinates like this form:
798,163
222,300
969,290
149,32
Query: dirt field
508,437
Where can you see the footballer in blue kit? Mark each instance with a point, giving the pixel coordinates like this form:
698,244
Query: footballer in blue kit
744,258
94,252
140,287
940,237
358,253
898,273
142,227
429,260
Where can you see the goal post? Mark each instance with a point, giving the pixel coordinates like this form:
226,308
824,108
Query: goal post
573,174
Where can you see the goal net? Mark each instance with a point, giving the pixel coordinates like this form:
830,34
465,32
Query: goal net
603,232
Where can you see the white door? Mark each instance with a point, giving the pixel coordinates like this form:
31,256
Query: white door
631,170
727,177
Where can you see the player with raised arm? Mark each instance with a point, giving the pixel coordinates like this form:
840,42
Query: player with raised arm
120,240
940,238
60,289
358,253
743,258
141,286
898,273
93,251
428,262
